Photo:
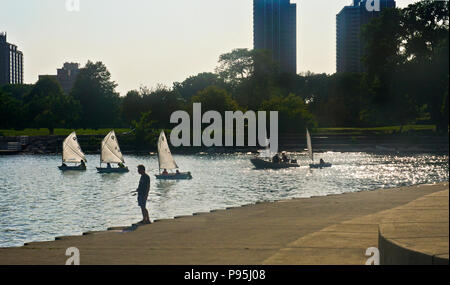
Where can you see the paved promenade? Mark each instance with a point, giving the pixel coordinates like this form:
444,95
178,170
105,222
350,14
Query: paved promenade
335,229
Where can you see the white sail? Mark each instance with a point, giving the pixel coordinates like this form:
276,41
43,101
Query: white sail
110,150
165,158
72,152
308,142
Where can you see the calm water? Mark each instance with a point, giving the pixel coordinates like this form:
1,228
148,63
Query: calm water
38,202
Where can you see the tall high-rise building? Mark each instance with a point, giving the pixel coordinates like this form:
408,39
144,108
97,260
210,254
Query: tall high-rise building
349,23
11,62
275,29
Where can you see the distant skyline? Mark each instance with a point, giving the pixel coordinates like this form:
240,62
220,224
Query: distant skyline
146,42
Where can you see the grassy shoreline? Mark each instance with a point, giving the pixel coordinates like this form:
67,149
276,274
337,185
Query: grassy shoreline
58,132
384,130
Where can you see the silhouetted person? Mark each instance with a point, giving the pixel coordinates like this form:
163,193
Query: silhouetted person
165,172
276,159
143,189
322,161
284,157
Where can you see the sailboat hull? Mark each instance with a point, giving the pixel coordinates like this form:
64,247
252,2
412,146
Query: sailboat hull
175,176
323,165
72,168
264,164
112,170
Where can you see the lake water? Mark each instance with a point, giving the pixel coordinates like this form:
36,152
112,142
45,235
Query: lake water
38,202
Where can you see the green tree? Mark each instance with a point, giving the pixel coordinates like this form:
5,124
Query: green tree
193,84
235,66
132,106
426,25
215,99
426,45
260,81
407,62
293,113
384,59
48,107
95,91
145,132
344,103
17,91
11,112
162,102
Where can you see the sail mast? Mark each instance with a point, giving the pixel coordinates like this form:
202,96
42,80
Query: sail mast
159,161
101,154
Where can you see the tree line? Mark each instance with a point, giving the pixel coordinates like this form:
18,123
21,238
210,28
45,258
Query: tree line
405,82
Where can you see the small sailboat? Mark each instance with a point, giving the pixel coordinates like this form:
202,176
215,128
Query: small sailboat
166,162
322,163
111,154
266,161
72,153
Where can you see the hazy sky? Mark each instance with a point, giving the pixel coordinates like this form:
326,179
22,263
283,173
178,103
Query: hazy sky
145,42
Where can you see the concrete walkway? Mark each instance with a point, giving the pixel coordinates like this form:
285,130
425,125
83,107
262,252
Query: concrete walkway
335,229
422,226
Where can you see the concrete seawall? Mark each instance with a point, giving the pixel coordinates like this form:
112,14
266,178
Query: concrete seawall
417,233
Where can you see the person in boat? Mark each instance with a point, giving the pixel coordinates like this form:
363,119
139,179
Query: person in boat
322,162
64,165
108,165
83,165
142,190
276,159
284,157
165,172
178,172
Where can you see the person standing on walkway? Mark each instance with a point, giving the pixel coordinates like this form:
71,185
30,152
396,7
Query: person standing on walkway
142,190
